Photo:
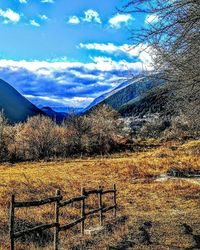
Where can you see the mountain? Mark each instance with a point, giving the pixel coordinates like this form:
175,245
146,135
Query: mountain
57,116
126,92
16,107
105,96
151,102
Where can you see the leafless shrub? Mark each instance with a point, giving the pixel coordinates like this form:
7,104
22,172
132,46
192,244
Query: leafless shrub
153,129
6,136
106,129
37,138
41,138
180,129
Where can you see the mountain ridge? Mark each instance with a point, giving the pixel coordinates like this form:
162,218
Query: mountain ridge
14,105
129,91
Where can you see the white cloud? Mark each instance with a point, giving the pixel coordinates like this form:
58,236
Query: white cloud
151,19
119,19
107,64
47,1
10,16
23,1
74,20
104,64
74,84
142,51
91,16
43,17
34,23
109,47
75,102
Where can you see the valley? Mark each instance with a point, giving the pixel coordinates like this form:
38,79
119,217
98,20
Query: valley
151,214
100,125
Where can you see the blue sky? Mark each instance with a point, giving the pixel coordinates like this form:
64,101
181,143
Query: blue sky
65,53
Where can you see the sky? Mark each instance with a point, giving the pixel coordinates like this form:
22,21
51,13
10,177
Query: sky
64,53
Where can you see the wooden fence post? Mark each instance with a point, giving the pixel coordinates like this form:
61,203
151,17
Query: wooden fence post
82,211
115,200
56,232
12,222
100,206
58,204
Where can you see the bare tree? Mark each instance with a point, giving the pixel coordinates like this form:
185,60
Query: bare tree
3,137
173,36
106,129
79,127
38,137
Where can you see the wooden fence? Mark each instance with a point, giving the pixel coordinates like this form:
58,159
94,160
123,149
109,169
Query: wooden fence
58,202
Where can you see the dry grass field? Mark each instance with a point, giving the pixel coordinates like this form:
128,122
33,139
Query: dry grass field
152,213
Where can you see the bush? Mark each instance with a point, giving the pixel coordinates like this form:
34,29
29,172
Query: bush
180,129
37,138
153,128
106,129
80,127
3,144
40,137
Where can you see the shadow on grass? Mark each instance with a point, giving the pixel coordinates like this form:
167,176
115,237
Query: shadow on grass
110,227
129,240
4,229
40,238
189,231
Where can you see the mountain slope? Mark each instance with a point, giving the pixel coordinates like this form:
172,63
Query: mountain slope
16,107
126,92
106,95
56,116
151,102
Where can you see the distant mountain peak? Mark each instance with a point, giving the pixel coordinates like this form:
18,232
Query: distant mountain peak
47,108
58,116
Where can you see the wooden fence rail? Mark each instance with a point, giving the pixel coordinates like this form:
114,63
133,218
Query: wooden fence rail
58,202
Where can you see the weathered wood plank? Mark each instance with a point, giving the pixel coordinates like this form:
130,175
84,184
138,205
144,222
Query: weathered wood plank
93,191
70,225
35,229
94,211
100,206
83,212
108,191
115,200
108,208
76,199
57,217
12,222
36,203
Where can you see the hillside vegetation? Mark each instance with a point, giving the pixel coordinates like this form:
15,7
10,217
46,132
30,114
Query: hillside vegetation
130,90
40,137
167,208
151,102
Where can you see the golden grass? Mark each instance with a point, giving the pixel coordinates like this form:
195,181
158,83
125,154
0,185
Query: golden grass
166,204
